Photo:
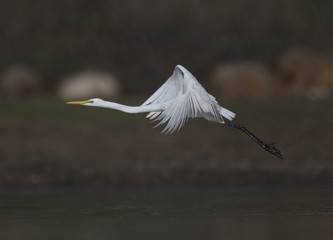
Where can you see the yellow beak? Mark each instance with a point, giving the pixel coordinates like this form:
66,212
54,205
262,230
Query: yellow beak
80,102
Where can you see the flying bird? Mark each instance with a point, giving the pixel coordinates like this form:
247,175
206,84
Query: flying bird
181,97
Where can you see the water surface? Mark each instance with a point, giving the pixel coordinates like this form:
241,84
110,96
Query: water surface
168,213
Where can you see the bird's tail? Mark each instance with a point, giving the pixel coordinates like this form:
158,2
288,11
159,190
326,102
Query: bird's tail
227,114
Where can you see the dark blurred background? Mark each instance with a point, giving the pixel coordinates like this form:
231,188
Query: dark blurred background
269,61
140,42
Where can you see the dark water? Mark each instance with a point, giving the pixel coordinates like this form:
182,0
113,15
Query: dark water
181,213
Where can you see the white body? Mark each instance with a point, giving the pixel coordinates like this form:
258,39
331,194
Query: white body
181,97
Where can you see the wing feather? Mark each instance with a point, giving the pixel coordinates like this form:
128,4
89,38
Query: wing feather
183,97
167,91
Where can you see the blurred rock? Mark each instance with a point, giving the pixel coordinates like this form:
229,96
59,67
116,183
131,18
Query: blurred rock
304,72
89,84
242,80
20,81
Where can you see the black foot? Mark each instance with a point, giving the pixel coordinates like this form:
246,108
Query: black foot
268,147
273,150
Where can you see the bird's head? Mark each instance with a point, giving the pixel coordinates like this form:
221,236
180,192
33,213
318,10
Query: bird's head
90,102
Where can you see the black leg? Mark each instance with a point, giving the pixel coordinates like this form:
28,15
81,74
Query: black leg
268,147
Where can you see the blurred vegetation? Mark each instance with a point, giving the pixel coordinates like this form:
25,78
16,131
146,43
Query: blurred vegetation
46,143
140,41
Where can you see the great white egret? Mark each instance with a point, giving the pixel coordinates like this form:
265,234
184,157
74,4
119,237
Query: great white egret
181,97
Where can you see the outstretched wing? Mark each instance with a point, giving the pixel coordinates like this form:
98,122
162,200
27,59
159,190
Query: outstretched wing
184,98
168,91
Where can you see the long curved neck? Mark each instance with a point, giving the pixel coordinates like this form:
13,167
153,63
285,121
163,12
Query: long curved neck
131,109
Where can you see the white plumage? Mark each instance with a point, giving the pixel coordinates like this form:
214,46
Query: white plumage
185,98
181,97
